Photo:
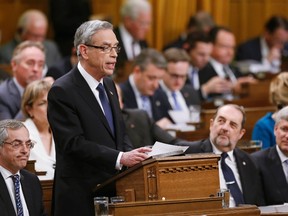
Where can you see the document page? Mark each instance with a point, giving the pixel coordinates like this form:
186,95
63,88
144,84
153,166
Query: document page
160,149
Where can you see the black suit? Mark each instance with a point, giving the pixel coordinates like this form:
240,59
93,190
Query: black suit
157,104
86,150
249,50
60,68
274,182
142,130
32,192
208,72
250,181
122,56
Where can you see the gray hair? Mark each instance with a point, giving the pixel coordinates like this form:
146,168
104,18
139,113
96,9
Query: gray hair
8,124
23,45
132,8
150,56
281,115
85,32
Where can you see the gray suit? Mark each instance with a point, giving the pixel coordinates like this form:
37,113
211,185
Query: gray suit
51,51
10,100
272,175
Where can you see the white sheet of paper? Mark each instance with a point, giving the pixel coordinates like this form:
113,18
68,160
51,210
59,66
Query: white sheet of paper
274,208
163,149
179,116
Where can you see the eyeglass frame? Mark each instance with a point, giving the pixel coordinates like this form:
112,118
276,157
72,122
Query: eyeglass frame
29,144
105,49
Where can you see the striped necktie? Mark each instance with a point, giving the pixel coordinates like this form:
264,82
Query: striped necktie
231,181
16,181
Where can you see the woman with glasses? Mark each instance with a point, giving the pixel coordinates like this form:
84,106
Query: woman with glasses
34,107
278,95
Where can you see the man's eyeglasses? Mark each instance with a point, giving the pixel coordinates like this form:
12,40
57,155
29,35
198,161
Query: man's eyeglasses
16,144
177,76
105,49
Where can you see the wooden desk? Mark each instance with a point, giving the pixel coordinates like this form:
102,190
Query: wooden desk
47,187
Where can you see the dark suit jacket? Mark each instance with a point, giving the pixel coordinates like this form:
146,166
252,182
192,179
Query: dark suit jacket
86,150
122,56
250,180
274,182
190,95
249,50
32,192
51,52
159,106
60,68
142,130
10,100
206,73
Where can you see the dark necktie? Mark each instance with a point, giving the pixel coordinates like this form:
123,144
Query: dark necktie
231,181
192,77
16,181
176,103
286,167
106,106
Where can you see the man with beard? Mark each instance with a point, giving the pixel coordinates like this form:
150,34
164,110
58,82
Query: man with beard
237,172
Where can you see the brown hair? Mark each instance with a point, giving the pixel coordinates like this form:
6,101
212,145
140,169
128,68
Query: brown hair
33,91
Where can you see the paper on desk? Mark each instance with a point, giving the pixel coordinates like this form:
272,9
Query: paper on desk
274,208
179,116
160,149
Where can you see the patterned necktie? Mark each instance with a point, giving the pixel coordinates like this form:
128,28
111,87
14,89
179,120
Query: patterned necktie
106,106
146,105
231,181
176,103
16,181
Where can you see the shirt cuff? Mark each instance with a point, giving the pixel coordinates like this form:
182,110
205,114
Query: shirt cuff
119,166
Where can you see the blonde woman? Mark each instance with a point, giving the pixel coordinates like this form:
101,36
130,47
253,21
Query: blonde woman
34,107
278,95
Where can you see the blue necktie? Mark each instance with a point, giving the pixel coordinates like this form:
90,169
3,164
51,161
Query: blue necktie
231,181
146,105
16,182
176,103
106,106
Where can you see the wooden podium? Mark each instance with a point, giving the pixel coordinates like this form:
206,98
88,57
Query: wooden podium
172,186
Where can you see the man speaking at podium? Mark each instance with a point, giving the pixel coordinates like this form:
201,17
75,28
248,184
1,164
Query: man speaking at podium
87,124
237,172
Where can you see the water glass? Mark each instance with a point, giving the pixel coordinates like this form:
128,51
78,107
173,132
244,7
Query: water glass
101,206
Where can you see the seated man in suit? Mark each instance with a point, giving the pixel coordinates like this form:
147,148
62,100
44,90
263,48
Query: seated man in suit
273,163
27,64
136,16
139,90
20,190
178,95
237,172
200,21
142,130
33,26
266,49
220,65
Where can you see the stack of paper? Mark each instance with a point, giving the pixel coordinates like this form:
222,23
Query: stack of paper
163,150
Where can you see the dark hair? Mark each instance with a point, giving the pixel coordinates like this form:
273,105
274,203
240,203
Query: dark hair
195,37
214,32
237,107
276,22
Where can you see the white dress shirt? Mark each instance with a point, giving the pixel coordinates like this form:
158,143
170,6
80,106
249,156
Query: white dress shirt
10,186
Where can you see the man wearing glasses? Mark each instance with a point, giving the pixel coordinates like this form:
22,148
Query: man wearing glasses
86,121
179,95
20,190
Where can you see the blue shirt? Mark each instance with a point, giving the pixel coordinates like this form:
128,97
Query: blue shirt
264,130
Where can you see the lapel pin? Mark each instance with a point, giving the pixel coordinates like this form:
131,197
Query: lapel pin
158,103
244,163
111,92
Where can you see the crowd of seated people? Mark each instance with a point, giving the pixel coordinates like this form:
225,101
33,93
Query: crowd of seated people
198,68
